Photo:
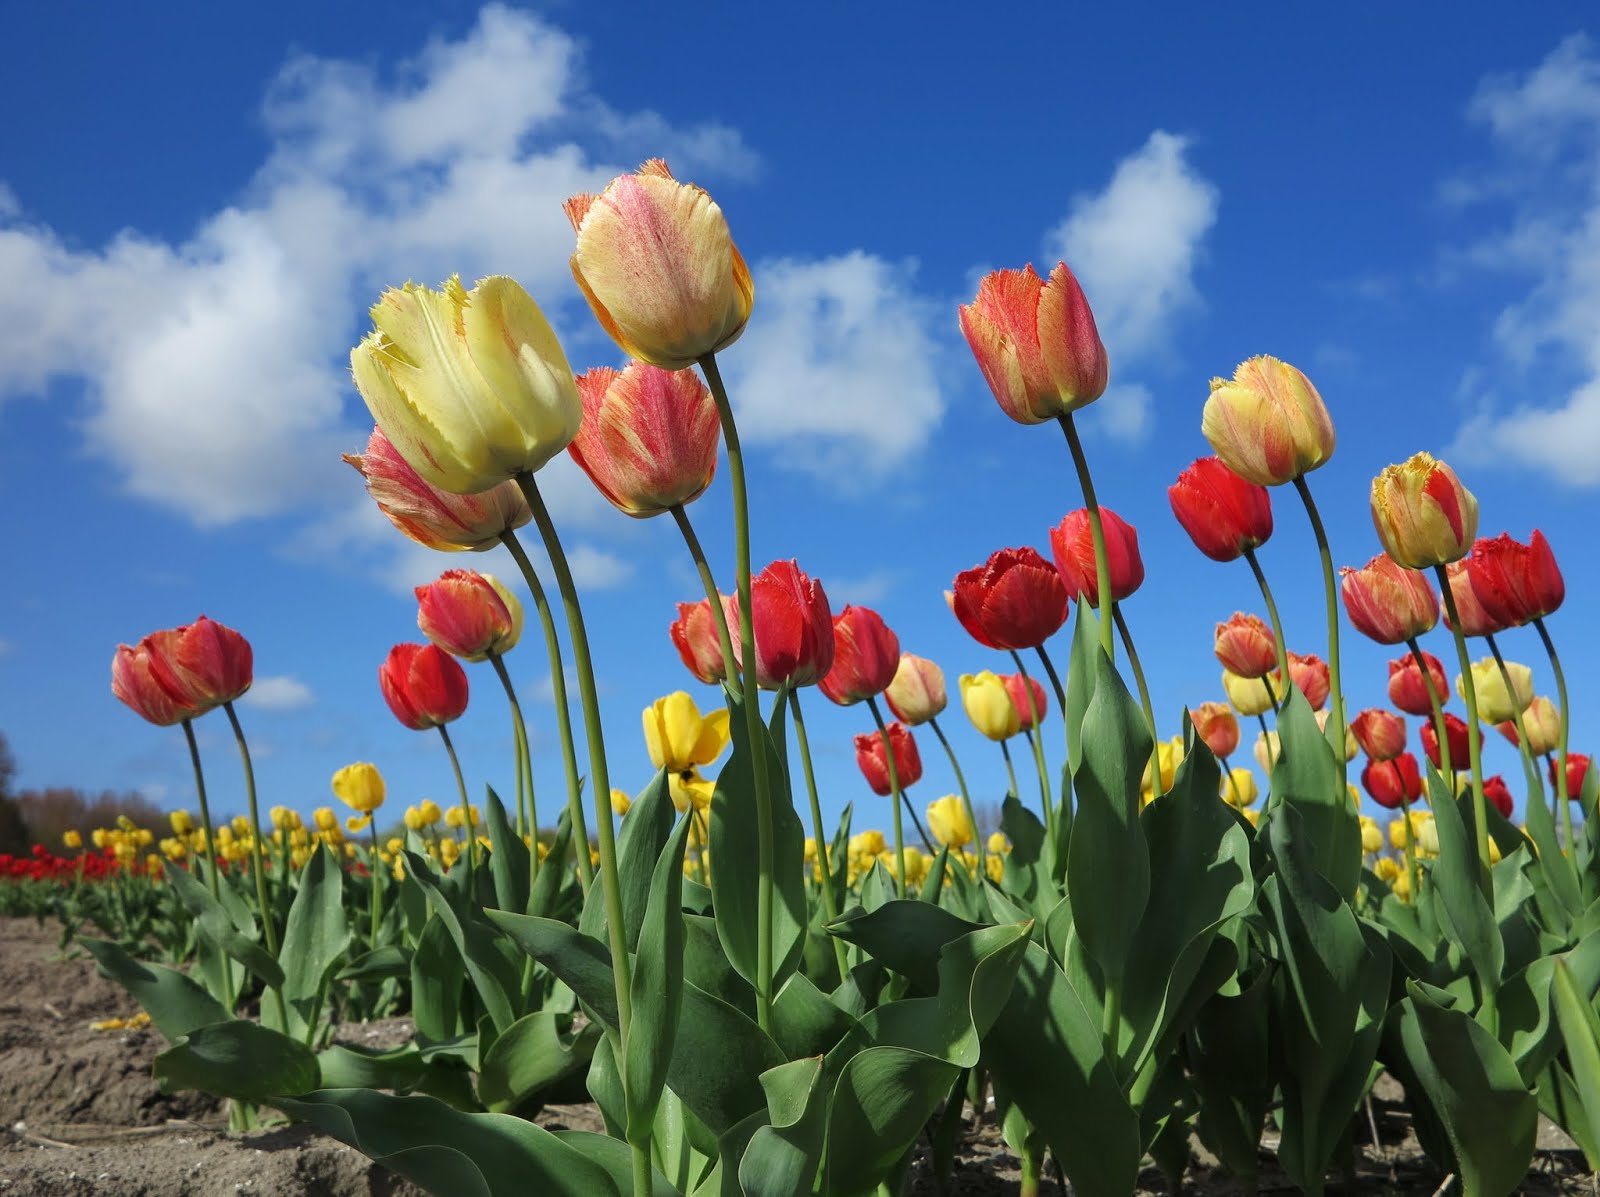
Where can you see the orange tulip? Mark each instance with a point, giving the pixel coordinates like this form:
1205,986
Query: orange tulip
649,437
1268,424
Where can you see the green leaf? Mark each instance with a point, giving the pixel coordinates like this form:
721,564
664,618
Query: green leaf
644,833
491,973
534,1053
315,939
782,1157
905,937
580,961
174,1003
1463,911
1308,777
547,886
343,1066
1230,1067
1082,677
616,1158
509,863
214,924
657,984
1580,1029
391,960
1029,868
239,1059
717,1060
876,1114
804,1021
436,977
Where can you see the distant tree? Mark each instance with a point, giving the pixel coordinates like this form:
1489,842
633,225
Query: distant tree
13,830
48,813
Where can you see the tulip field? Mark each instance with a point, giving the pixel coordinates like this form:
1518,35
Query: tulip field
1164,947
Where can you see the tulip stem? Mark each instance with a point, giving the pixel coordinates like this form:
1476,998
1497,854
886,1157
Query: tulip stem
966,795
830,908
1563,786
205,810
730,662
558,696
375,868
599,774
466,807
1436,702
1279,642
526,814
269,926
1474,739
752,703
1011,772
1144,701
894,789
1102,563
1064,812
1035,717
1535,786
1337,726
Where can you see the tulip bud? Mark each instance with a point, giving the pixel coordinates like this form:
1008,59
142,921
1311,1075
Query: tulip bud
1515,583
659,268
1424,516
621,804
1036,343
471,387
694,634
678,738
1072,546
1223,514
134,682
1381,734
1214,722
1268,425
1350,744
649,437
874,765
1014,600
359,786
795,632
469,615
423,685
1394,781
1455,736
1497,792
1023,690
1408,688
988,704
1475,618
917,693
948,822
433,517
866,655
1310,676
1249,696
1246,646
1542,722
1388,602
1497,704
1577,772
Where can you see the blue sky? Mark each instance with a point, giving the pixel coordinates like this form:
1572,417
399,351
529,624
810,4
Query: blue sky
203,200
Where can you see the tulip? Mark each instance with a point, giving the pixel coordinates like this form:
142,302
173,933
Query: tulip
1455,738
875,768
620,802
181,821
1381,734
690,790
866,655
1351,744
678,738
72,839
1474,618
1310,676
1408,689
202,665
1577,771
1497,792
355,823
1388,602
1542,722
1223,514
1249,696
459,817
433,517
1214,722
1393,782
413,819
694,635
917,693
1036,343
1515,583
326,818
1424,516
649,437
1167,756
470,615
1371,838
795,631
134,682
431,814
1239,788
423,685
471,387
359,786
988,704
1014,600
1020,688
947,820
1072,546
1245,646
1268,425
1497,704
1267,749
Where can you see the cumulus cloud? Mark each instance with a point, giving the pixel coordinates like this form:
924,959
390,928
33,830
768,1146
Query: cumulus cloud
280,693
1544,130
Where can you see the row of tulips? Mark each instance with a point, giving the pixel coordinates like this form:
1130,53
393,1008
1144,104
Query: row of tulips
752,1014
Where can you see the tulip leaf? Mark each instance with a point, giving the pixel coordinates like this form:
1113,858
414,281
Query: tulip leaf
644,834
717,1060
535,1052
883,1099
238,1059
1082,678
735,847
1580,1030
436,977
509,864
492,975
1464,912
344,1066
804,1021
1030,866
616,1157
214,924
604,1083
1562,1103
1308,776
545,892
448,1151
580,961
315,939
176,1004
1108,862
1229,1064
905,937
657,984
783,1156
705,965
379,964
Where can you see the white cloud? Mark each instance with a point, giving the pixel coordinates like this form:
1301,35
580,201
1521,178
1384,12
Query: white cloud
280,693
840,365
5,646
867,590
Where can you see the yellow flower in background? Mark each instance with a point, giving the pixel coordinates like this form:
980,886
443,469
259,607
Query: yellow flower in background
393,845
678,738
355,823
917,864
431,813
995,867
988,704
359,786
1371,836
1386,869
175,849
144,837
1401,885
1239,788
449,852
947,820
99,837
620,802
182,824
454,818
241,826
868,843
72,839
1168,755
413,819
324,817
1497,704
1251,816
690,789
997,844
1268,748
1351,747
1249,695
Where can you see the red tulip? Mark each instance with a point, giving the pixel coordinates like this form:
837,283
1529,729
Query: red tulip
469,615
907,761
1223,514
1388,602
1476,619
1577,770
202,664
1310,676
1515,583
423,685
1245,646
649,436
1390,781
694,634
1381,734
1407,688
1072,546
794,627
1014,600
1455,732
1015,683
1497,792
133,680
431,516
865,656
1218,726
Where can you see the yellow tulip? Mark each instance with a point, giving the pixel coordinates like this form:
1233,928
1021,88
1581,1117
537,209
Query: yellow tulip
431,814
471,387
868,843
449,852
1249,695
1371,836
678,738
620,802
690,789
1542,722
1267,424
454,818
72,839
359,786
355,823
182,824
413,819
1268,749
1497,704
1424,516
241,825
175,849
988,704
947,820
324,817
1168,755
1350,745
1386,869
1239,788
997,844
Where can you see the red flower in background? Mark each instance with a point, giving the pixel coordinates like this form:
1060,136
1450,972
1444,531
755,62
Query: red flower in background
1381,734
874,766
1407,688
1577,771
866,655
133,680
694,635
1310,676
1072,546
1223,514
1391,781
423,685
1218,726
1019,687
1388,602
1515,583
794,627
1497,792
1245,646
1455,731
1014,600
1476,619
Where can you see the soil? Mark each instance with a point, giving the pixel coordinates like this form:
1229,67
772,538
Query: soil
80,1115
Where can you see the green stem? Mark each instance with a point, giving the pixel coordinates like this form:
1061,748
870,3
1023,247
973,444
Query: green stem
1436,701
466,808
1064,811
1227,771
558,696
830,908
1474,738
966,796
1563,795
376,869
1278,640
894,790
1011,772
519,730
730,662
1144,701
752,705
1035,716
1102,563
1337,726
269,925
205,808
1530,765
